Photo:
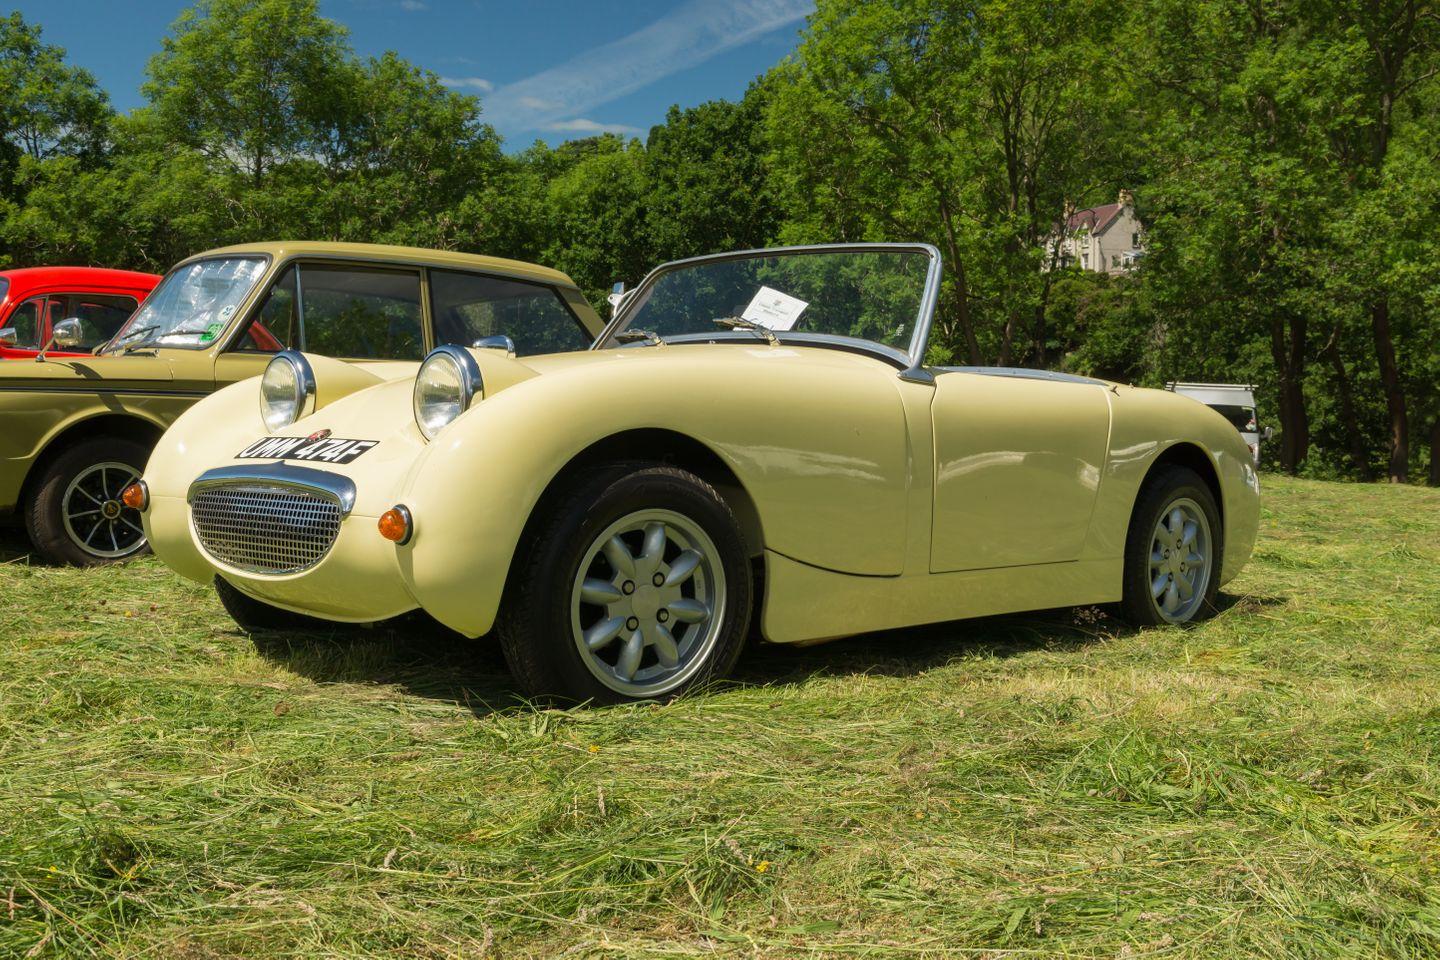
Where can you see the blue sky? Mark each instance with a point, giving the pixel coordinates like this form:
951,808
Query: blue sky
545,69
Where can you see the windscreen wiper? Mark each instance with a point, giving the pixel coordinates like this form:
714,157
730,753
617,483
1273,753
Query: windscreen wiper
739,323
135,338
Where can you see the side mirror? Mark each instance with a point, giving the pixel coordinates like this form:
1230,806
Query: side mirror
9,336
67,333
497,342
1267,433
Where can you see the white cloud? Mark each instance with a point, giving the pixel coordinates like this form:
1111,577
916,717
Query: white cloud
591,127
683,38
468,83
414,5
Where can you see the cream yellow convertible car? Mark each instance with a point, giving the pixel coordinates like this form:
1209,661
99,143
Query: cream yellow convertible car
754,438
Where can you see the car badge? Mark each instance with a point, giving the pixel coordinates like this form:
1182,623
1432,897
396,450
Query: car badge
317,435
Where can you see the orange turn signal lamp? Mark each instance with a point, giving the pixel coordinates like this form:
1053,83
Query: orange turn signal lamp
396,524
136,496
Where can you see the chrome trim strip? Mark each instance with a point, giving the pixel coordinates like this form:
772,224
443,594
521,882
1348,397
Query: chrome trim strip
1022,373
913,367
281,474
803,339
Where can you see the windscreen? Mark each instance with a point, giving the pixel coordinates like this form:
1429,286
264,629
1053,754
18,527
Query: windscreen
193,304
867,295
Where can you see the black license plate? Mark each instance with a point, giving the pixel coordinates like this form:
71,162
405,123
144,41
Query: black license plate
325,450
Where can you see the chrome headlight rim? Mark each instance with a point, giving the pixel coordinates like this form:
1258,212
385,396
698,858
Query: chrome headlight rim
302,377
468,378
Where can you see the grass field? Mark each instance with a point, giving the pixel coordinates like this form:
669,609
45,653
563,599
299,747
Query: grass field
1265,784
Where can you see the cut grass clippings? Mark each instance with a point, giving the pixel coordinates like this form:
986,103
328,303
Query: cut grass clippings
1264,784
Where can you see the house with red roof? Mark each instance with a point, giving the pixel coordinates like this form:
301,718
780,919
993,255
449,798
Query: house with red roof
1104,239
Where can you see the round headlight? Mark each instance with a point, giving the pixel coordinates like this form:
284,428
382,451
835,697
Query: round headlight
448,381
287,390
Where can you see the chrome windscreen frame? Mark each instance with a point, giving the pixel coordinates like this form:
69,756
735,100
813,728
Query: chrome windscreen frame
911,361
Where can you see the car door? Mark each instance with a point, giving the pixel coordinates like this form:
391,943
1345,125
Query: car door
1018,460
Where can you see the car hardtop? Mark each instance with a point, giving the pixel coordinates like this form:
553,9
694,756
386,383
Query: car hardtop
24,279
387,253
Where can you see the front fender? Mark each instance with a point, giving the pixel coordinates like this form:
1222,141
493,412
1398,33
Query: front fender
828,473
1146,424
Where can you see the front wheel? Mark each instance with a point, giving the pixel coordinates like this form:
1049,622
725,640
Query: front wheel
636,587
1173,551
76,516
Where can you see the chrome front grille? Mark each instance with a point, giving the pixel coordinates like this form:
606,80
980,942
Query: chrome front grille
263,527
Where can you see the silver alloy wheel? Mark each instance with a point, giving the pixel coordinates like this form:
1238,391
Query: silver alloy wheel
1180,560
95,519
648,603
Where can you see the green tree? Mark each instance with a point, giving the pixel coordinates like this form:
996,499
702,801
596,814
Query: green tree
47,107
708,188
974,124
593,212
250,83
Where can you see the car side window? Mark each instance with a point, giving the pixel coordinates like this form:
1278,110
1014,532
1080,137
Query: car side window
360,312
25,321
276,324
356,313
469,306
101,315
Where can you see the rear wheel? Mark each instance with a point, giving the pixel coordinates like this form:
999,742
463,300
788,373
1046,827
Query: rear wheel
1173,551
637,587
75,516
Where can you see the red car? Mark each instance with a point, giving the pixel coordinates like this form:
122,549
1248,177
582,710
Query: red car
35,300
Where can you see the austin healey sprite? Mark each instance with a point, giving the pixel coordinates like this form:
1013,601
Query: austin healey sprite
754,439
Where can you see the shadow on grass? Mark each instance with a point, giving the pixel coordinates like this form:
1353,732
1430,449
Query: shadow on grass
427,660
915,650
14,545
413,653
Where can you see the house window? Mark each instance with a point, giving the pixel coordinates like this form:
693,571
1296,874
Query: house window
1134,239
1114,260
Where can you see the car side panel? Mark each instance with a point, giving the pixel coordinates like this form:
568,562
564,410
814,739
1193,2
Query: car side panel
1018,465
804,604
35,419
41,401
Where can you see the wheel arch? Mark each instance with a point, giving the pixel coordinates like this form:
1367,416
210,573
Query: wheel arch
660,445
128,426
1192,457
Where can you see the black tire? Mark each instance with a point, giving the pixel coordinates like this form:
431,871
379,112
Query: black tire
1168,486
535,625
45,513
256,616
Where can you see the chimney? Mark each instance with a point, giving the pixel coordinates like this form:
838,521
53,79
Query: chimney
1127,199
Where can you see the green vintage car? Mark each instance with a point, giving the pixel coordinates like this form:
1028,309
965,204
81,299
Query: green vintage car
75,431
